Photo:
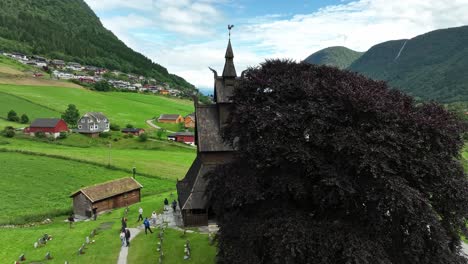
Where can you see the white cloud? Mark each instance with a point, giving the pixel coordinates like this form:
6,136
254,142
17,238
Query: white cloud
356,24
99,5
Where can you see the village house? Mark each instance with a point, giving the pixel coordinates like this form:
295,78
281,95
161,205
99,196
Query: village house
211,149
164,92
62,75
170,118
106,196
189,121
58,63
93,123
74,66
184,137
133,131
51,127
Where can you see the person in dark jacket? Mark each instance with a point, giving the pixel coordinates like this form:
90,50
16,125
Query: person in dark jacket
147,226
174,205
127,236
95,213
166,204
124,222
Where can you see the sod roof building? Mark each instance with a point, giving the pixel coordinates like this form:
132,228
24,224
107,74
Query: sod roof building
106,196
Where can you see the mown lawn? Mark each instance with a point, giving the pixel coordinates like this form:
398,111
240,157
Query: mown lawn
121,108
21,106
35,187
143,248
106,248
162,159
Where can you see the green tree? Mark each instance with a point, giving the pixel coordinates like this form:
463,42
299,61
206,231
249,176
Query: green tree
143,137
129,126
102,86
12,116
24,119
9,132
71,115
160,133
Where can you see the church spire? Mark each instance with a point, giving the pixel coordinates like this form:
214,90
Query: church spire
229,69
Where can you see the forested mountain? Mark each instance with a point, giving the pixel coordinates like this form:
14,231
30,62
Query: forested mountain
69,30
430,66
340,57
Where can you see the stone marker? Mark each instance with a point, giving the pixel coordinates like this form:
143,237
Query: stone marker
87,240
48,256
36,244
22,257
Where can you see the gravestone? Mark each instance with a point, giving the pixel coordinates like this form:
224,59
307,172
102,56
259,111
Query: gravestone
87,240
93,233
36,244
21,257
48,256
81,250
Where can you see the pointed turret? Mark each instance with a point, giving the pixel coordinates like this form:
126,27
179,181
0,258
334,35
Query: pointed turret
229,69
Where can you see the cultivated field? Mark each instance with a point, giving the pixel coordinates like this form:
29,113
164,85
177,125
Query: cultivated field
121,108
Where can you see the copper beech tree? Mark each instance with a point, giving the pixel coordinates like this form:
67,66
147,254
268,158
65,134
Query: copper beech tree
332,167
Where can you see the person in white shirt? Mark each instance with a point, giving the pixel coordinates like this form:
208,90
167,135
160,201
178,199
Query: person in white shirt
140,214
154,218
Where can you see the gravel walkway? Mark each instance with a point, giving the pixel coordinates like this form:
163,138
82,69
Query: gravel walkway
124,250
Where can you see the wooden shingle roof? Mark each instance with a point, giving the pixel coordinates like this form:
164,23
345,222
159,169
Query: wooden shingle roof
109,189
169,116
208,130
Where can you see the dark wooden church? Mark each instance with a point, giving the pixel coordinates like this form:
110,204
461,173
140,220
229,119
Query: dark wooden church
211,149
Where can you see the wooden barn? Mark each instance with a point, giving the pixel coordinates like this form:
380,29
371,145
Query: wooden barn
184,137
106,196
170,118
189,121
211,149
49,126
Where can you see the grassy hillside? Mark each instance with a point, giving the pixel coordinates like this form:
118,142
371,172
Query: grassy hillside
53,180
121,108
69,29
340,57
158,159
429,66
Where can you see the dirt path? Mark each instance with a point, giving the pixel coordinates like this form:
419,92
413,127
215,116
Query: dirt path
151,124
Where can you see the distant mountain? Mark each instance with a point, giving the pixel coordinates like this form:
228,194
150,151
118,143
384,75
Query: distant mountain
340,57
432,66
69,30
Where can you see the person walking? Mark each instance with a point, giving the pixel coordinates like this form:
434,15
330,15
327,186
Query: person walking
166,204
174,205
147,226
140,214
95,213
71,220
127,236
122,238
154,218
124,223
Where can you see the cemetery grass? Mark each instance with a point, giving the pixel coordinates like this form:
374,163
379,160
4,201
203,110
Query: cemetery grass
143,248
37,187
66,241
121,108
161,159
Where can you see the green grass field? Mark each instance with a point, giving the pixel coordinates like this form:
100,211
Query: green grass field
39,187
105,250
22,106
121,108
157,158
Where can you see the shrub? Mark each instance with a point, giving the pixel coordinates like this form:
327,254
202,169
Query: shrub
9,133
114,127
63,135
143,137
24,119
13,116
125,136
160,133
105,135
129,126
40,134
131,136
116,139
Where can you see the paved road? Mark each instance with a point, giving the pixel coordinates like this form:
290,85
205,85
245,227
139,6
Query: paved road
124,250
151,124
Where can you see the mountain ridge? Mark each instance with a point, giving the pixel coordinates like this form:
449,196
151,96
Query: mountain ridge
71,31
337,56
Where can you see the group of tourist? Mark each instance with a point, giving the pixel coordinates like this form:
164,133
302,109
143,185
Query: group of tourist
125,232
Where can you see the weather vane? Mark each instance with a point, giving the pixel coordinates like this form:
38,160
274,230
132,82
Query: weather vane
229,28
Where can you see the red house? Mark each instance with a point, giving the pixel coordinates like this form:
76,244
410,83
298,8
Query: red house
184,137
49,126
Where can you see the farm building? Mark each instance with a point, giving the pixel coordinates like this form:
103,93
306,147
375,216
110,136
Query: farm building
106,196
93,123
211,149
189,121
49,126
184,137
170,118
133,131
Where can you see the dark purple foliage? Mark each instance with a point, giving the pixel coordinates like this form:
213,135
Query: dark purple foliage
333,167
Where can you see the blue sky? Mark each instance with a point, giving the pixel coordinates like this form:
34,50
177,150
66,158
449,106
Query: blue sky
187,36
